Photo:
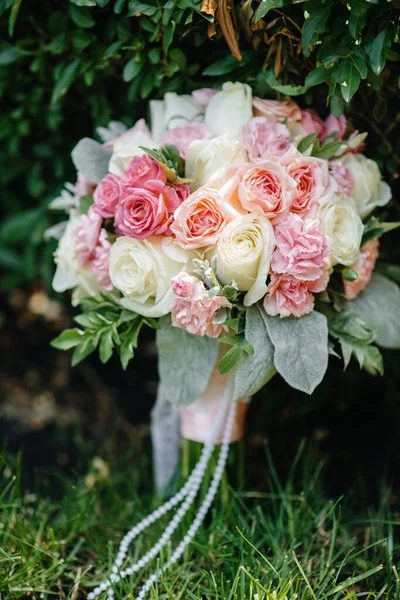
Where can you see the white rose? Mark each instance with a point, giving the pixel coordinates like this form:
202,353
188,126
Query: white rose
342,224
69,273
127,147
142,270
206,157
173,111
244,254
229,109
368,191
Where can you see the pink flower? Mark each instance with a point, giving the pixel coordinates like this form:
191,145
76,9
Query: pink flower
302,249
276,111
145,211
187,286
100,261
83,187
141,170
199,220
364,268
182,137
312,181
181,191
203,96
87,235
287,297
335,125
311,122
107,194
263,139
343,177
195,313
265,189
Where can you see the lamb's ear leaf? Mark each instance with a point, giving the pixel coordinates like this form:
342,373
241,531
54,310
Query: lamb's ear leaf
185,362
91,159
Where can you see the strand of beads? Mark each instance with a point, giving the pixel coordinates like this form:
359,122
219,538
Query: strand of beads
187,494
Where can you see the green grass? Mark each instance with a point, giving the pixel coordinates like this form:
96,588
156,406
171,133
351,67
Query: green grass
289,542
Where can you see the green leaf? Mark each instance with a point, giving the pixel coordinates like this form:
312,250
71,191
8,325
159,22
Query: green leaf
84,2
306,142
379,307
132,68
254,371
185,362
168,36
68,339
64,81
315,24
13,17
223,66
301,349
350,80
81,16
288,90
85,202
328,150
9,56
317,76
82,351
106,346
265,6
392,271
230,359
360,65
356,23
91,158
379,49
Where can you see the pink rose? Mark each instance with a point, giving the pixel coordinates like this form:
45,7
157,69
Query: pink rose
199,220
312,181
195,313
100,261
83,187
287,297
180,190
311,122
343,177
364,268
335,125
263,139
146,210
203,96
87,235
182,137
143,169
276,111
303,251
107,194
265,189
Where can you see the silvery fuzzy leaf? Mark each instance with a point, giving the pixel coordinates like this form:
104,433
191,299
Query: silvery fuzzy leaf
65,201
185,362
254,371
113,130
91,159
55,231
379,307
301,349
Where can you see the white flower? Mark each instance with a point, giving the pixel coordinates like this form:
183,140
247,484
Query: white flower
369,190
127,147
342,224
142,270
244,254
173,111
230,109
206,157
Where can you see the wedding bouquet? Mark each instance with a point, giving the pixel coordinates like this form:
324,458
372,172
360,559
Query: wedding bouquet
234,222
242,230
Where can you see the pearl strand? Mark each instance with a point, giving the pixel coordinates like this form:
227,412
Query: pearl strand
208,500
188,493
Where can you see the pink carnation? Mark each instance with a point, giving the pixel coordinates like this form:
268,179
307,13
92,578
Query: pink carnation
182,137
100,261
187,286
311,122
364,268
107,195
87,235
287,297
343,177
203,96
195,313
336,125
145,211
263,139
141,170
302,249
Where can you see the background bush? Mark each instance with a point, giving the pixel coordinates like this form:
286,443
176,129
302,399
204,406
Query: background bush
67,67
